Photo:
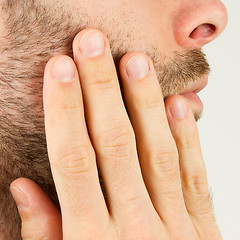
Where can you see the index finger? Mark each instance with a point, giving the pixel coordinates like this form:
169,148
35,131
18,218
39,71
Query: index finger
70,152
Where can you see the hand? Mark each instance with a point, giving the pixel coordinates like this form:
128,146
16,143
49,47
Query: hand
139,154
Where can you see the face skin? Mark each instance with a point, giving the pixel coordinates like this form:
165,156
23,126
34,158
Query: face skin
171,32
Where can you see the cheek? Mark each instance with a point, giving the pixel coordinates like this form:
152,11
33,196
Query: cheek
154,18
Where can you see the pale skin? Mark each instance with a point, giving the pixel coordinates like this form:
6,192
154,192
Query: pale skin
149,157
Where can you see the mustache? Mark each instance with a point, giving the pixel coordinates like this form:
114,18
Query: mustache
182,69
174,73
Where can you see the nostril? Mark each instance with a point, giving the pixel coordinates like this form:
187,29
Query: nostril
203,31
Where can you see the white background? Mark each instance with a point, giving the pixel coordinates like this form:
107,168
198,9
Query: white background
220,124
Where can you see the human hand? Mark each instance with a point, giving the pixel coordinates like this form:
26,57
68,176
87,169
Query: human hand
149,158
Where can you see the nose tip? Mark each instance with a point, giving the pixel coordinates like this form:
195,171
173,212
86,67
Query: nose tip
199,23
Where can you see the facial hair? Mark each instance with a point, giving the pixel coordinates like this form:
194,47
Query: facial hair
33,34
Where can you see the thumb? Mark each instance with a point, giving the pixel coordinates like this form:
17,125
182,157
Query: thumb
40,218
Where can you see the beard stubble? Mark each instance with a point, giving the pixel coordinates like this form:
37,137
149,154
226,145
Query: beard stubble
30,40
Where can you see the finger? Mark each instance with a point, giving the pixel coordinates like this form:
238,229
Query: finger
157,150
193,170
40,218
70,152
109,126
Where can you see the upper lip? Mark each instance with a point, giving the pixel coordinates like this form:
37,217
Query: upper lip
197,86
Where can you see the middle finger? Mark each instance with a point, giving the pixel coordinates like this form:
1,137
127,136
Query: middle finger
109,127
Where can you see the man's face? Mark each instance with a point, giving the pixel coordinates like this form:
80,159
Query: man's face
171,32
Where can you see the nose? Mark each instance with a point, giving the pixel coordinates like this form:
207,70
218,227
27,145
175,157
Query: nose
197,23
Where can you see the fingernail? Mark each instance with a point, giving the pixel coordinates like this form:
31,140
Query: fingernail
137,67
179,109
92,44
19,197
63,70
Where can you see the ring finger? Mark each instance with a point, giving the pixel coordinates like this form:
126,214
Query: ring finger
157,150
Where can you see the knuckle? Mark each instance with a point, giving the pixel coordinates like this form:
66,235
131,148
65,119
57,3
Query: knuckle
197,185
101,80
116,142
188,140
70,103
148,101
72,162
165,161
132,200
205,207
202,199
